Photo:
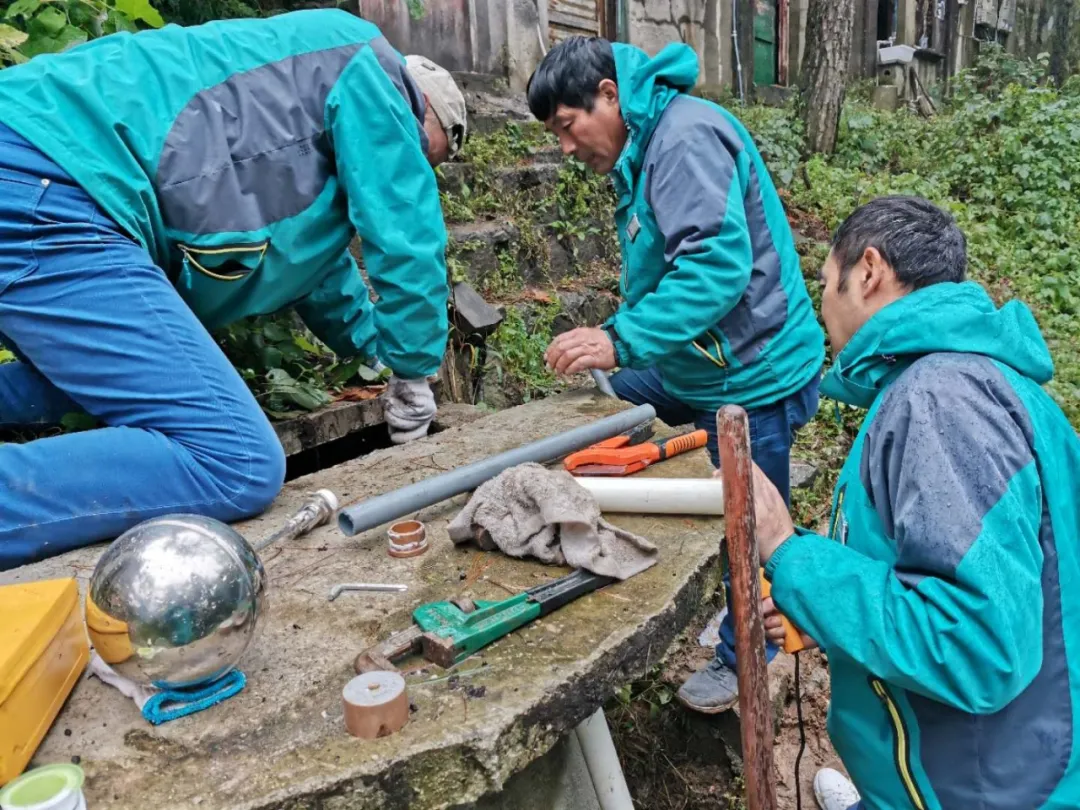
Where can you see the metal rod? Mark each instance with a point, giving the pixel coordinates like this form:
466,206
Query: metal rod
392,505
316,510
602,382
366,587
755,712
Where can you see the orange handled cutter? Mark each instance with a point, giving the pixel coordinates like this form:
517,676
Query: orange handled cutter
792,638
620,456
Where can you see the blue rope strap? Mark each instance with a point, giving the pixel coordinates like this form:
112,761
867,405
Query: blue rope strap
170,704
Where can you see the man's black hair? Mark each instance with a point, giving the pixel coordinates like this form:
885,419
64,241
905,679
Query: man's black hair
921,243
570,74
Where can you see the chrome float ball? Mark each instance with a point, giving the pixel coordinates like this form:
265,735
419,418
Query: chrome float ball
174,601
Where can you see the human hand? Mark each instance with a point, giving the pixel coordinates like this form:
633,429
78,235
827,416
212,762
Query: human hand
774,625
774,524
581,349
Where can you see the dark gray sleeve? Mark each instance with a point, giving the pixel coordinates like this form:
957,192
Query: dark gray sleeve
689,176
947,441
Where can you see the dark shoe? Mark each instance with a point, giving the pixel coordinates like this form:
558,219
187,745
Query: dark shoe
711,690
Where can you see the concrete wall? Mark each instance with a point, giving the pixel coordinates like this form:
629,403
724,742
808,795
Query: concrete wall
527,38
655,23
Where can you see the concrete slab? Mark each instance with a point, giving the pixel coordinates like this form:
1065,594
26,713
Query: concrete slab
281,743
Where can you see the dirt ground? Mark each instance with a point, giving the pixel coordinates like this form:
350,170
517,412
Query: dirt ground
678,760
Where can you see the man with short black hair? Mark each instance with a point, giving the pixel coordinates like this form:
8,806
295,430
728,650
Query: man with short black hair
715,309
946,593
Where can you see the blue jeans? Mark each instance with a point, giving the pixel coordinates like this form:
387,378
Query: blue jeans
772,431
98,328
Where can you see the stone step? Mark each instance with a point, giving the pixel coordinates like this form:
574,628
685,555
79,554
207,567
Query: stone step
535,178
495,254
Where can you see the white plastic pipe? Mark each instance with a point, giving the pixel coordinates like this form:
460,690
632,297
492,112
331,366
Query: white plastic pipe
661,496
606,773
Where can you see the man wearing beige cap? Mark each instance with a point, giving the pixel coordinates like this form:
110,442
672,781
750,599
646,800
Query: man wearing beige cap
160,184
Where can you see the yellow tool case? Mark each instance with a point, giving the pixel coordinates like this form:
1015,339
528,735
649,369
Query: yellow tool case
43,651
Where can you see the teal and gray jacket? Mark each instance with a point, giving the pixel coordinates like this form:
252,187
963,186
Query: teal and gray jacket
948,594
244,155
712,288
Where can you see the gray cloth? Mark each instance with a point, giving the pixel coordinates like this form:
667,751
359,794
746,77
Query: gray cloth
531,511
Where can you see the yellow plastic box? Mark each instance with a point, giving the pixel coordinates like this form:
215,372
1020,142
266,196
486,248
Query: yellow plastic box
43,651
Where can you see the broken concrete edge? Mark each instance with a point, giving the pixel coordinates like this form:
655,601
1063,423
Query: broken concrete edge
477,767
342,419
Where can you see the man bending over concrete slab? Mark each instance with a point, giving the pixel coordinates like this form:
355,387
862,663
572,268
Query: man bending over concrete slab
715,309
946,594
156,185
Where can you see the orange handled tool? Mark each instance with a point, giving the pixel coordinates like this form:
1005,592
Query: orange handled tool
792,638
618,456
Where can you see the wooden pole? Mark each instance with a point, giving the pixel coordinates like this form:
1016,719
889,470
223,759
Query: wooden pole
755,712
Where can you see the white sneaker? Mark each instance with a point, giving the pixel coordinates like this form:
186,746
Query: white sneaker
833,791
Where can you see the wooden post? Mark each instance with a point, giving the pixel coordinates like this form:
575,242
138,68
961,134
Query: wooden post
783,15
755,712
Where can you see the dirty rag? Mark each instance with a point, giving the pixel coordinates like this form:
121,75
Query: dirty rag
162,705
531,511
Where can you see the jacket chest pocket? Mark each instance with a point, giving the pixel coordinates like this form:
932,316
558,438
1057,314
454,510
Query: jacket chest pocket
643,262
225,262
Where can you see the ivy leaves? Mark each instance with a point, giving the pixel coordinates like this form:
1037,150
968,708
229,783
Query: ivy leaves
286,368
33,27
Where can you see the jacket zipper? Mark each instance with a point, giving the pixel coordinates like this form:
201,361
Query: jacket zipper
901,744
719,360
189,253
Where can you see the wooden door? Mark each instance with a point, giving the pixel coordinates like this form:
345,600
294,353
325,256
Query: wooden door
765,42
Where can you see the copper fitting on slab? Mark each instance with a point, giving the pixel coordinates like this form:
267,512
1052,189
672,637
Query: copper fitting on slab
407,539
375,704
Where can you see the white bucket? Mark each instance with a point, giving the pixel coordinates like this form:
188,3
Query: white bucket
51,787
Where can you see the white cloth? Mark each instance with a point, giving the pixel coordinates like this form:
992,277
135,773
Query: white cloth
140,694
409,407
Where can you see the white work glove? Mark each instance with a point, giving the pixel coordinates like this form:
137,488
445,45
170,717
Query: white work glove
409,407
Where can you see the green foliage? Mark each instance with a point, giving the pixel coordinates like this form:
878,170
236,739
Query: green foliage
288,370
515,352
32,27
778,134
196,12
582,199
1002,155
416,9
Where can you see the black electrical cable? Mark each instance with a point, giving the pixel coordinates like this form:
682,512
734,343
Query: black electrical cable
802,736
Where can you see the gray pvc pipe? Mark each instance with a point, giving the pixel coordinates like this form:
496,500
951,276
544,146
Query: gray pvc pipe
382,508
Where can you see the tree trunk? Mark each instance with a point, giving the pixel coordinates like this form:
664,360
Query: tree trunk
1059,42
829,29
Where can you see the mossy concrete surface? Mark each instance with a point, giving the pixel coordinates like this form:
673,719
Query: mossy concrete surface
281,743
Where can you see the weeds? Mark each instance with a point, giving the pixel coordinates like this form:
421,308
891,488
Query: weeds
515,353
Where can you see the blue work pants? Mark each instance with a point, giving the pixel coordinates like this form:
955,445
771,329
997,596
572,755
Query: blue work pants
99,329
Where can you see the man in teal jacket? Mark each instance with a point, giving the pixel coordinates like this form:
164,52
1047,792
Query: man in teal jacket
156,185
715,309
946,595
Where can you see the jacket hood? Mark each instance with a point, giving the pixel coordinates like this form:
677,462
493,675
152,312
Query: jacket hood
646,86
940,318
